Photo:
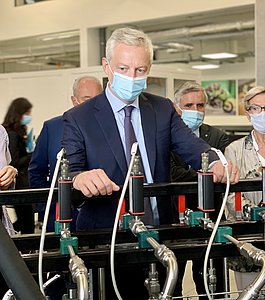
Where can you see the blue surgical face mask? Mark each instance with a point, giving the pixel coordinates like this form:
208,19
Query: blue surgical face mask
192,118
127,88
258,121
26,119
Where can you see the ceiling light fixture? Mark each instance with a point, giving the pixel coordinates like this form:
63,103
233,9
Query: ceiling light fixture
222,55
205,67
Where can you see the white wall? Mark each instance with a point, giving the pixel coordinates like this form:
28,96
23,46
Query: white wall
48,91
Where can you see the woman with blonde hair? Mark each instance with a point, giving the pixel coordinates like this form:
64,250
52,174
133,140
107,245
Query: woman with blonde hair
248,153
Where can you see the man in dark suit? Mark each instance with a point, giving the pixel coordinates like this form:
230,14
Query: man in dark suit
43,160
190,101
95,144
94,138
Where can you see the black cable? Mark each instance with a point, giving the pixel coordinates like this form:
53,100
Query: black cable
15,271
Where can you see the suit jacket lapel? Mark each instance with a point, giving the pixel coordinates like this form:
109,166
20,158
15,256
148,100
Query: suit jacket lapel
204,132
107,122
149,130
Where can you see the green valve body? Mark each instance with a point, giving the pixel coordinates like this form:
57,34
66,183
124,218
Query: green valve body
126,218
64,242
221,231
194,217
142,238
255,213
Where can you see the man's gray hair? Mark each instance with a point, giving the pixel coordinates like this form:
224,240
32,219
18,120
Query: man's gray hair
129,37
81,78
252,93
187,87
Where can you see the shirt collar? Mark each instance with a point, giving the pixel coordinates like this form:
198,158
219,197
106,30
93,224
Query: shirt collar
197,132
115,103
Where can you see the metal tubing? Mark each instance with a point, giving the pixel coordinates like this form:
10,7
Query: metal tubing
251,292
168,259
79,274
226,276
101,284
82,286
231,239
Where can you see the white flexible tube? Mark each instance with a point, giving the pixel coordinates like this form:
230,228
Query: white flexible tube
208,249
115,226
45,221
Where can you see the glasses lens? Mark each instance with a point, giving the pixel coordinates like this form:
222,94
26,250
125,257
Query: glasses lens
255,109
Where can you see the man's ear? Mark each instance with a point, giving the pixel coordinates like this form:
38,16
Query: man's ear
177,109
105,64
74,100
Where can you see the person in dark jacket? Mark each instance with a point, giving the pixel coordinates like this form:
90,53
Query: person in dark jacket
190,102
43,160
17,118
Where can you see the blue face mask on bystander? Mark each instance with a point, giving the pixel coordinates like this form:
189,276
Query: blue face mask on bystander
258,121
26,119
192,118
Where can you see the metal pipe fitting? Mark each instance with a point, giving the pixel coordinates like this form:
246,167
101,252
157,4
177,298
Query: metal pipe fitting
251,292
137,226
152,283
79,274
168,259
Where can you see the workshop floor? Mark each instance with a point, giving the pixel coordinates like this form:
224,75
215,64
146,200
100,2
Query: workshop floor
189,290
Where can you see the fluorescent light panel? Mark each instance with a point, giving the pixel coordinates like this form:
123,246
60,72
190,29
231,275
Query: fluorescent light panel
205,67
221,55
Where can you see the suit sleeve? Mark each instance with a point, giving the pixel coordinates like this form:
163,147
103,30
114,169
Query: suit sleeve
38,167
181,172
74,145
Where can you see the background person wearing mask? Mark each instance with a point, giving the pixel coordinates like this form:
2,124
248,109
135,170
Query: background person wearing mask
248,153
190,102
16,120
43,160
95,139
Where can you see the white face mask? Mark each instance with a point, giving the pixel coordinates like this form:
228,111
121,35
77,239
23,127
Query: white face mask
258,121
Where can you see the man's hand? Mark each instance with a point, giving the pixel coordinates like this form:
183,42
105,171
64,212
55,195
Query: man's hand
94,182
219,174
7,176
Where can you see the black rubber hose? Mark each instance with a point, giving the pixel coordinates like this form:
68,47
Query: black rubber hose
15,271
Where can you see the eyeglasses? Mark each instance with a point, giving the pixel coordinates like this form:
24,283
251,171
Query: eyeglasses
255,109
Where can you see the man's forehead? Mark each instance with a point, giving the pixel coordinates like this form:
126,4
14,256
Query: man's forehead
194,96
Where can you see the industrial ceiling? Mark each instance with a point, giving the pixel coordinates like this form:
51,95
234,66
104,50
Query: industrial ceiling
181,39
